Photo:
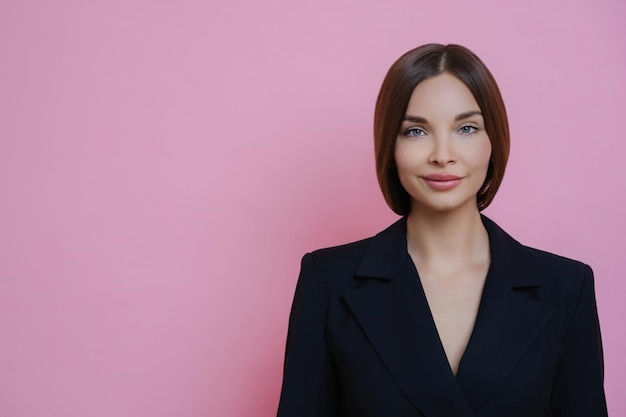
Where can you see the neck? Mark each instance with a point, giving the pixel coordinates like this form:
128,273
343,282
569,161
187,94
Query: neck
447,240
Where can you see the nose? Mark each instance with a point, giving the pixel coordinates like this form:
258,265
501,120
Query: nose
442,152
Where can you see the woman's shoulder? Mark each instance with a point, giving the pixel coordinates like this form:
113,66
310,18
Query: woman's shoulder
554,262
347,255
533,266
563,277
332,269
387,246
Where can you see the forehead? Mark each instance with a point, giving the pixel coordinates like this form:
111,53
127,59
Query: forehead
440,96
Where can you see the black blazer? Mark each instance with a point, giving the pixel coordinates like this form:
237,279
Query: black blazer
362,341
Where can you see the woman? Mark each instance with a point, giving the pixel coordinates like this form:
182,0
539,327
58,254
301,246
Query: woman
442,314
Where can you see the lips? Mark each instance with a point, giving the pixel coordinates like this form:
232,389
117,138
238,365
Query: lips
442,182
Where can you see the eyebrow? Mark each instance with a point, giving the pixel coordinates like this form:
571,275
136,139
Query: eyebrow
461,116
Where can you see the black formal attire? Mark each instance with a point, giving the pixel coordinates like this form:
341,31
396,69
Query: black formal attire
362,340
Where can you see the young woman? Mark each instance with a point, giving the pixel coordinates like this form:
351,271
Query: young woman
442,314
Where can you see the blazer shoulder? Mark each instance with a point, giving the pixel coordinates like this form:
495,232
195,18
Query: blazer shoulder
562,274
372,256
531,267
344,257
553,262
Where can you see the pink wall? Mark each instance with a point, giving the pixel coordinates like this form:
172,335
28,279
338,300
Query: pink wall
165,164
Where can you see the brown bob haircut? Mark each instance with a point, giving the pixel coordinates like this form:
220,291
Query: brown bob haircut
404,75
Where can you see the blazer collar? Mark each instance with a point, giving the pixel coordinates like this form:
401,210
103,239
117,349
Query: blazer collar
393,311
387,253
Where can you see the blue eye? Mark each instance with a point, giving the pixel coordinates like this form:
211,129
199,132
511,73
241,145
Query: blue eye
414,132
467,130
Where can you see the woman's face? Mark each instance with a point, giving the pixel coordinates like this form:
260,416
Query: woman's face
442,152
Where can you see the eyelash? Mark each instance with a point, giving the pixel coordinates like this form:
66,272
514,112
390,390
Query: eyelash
409,132
473,130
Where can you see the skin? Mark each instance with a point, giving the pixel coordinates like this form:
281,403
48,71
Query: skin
444,133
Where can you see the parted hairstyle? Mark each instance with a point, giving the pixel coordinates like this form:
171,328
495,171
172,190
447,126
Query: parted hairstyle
404,75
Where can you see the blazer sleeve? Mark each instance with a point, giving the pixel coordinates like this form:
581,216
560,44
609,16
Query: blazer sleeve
579,384
309,379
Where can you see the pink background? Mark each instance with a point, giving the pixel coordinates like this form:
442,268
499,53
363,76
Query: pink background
165,164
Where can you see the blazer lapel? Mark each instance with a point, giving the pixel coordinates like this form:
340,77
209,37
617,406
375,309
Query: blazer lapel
508,319
392,309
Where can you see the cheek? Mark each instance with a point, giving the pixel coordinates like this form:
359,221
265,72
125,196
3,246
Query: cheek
399,157
405,156
482,154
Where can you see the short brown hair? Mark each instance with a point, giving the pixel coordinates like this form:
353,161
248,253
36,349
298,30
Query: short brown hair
404,75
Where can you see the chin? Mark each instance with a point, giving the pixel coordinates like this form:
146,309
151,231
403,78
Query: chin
446,207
